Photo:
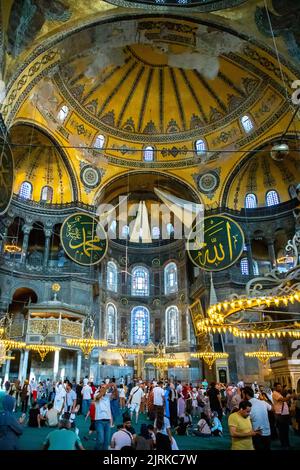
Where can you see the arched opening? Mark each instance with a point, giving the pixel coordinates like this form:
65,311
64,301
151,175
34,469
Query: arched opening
36,245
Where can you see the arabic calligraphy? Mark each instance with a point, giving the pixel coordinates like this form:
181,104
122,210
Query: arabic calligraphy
223,244
80,240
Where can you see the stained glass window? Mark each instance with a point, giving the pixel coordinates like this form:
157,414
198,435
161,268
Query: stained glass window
99,141
140,281
272,198
25,190
250,201
148,154
112,276
172,316
140,325
111,322
171,284
47,194
200,147
63,113
247,123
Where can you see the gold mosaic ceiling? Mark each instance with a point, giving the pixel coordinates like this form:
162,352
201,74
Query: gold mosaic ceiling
153,80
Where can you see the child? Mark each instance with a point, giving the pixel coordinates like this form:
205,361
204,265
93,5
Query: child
91,414
182,427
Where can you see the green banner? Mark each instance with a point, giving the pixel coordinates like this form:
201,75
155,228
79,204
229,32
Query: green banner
80,240
6,176
222,246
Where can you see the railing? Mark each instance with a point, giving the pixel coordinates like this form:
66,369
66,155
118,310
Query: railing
258,212
52,206
70,269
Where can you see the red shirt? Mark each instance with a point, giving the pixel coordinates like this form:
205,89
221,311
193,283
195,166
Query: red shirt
92,411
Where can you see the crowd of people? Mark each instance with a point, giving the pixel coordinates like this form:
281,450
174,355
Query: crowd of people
256,415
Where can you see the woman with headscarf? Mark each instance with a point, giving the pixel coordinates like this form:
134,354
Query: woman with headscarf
173,396
10,427
180,405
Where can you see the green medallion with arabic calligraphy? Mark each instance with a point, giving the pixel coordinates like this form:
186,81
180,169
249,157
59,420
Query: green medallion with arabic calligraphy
80,240
222,245
6,176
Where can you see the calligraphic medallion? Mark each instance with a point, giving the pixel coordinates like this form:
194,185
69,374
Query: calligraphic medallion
6,176
222,246
80,240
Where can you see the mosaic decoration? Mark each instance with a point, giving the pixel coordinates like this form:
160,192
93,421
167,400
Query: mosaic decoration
90,176
27,18
83,239
6,175
223,243
280,18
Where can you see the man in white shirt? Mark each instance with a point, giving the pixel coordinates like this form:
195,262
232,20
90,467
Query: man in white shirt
102,416
86,393
260,420
123,437
135,399
71,398
158,397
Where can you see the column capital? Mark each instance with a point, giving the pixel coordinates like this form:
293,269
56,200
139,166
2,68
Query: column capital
48,232
27,228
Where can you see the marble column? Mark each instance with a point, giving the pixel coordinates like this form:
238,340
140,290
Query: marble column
7,368
25,365
272,255
21,365
26,229
78,369
48,233
250,258
55,365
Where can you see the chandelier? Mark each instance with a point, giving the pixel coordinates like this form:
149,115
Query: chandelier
3,355
162,361
222,318
86,344
263,355
12,248
42,349
209,356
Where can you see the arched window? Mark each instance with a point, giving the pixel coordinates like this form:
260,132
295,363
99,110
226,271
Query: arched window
63,113
140,281
250,201
155,232
244,267
148,154
200,147
99,141
171,284
111,324
25,190
140,325
172,320
272,198
47,194
247,123
112,276
170,228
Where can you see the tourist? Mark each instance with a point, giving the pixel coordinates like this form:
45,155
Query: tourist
216,425
34,420
172,398
24,394
62,438
86,393
91,413
158,398
70,398
60,397
51,416
134,400
33,390
215,400
240,427
282,414
203,427
259,419
162,429
123,436
114,403
122,396
10,427
102,417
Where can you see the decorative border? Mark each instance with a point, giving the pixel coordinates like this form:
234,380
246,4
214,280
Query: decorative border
195,6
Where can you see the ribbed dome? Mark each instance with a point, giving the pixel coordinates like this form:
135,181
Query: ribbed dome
261,174
40,164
